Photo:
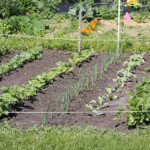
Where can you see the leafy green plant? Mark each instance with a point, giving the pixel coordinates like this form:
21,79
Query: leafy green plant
31,24
140,17
123,74
20,59
108,13
109,59
4,26
135,5
15,94
101,102
134,61
11,7
139,102
89,10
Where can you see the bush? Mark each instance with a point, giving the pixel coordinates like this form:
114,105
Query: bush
31,24
11,7
109,13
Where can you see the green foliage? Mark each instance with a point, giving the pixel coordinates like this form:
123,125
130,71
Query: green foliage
79,57
31,24
96,105
135,5
134,61
15,94
4,26
18,43
139,102
89,10
20,59
109,13
73,26
10,8
59,34
122,76
31,6
140,17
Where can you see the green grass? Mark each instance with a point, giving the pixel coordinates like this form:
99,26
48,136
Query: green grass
72,138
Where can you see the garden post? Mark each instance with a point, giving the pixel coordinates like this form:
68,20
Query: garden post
118,43
79,36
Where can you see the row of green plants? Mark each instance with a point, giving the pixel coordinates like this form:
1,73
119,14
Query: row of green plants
14,94
83,83
18,43
122,76
20,59
139,103
140,17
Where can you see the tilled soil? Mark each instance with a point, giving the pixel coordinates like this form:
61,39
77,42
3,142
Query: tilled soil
21,75
52,94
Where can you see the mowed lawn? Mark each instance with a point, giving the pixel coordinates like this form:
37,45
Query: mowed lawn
72,138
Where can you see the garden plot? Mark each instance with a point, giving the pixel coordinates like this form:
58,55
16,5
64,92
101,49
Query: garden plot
33,68
52,97
7,56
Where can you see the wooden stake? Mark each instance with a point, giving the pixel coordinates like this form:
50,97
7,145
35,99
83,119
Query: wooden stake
79,37
118,43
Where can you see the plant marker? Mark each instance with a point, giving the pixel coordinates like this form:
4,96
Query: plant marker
127,17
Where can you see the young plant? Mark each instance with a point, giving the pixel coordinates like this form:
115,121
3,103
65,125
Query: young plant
100,103
44,116
122,76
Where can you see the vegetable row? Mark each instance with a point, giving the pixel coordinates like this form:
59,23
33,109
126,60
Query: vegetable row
18,43
139,103
14,94
122,76
20,59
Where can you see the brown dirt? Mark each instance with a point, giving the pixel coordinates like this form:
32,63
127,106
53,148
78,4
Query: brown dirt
33,68
51,92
